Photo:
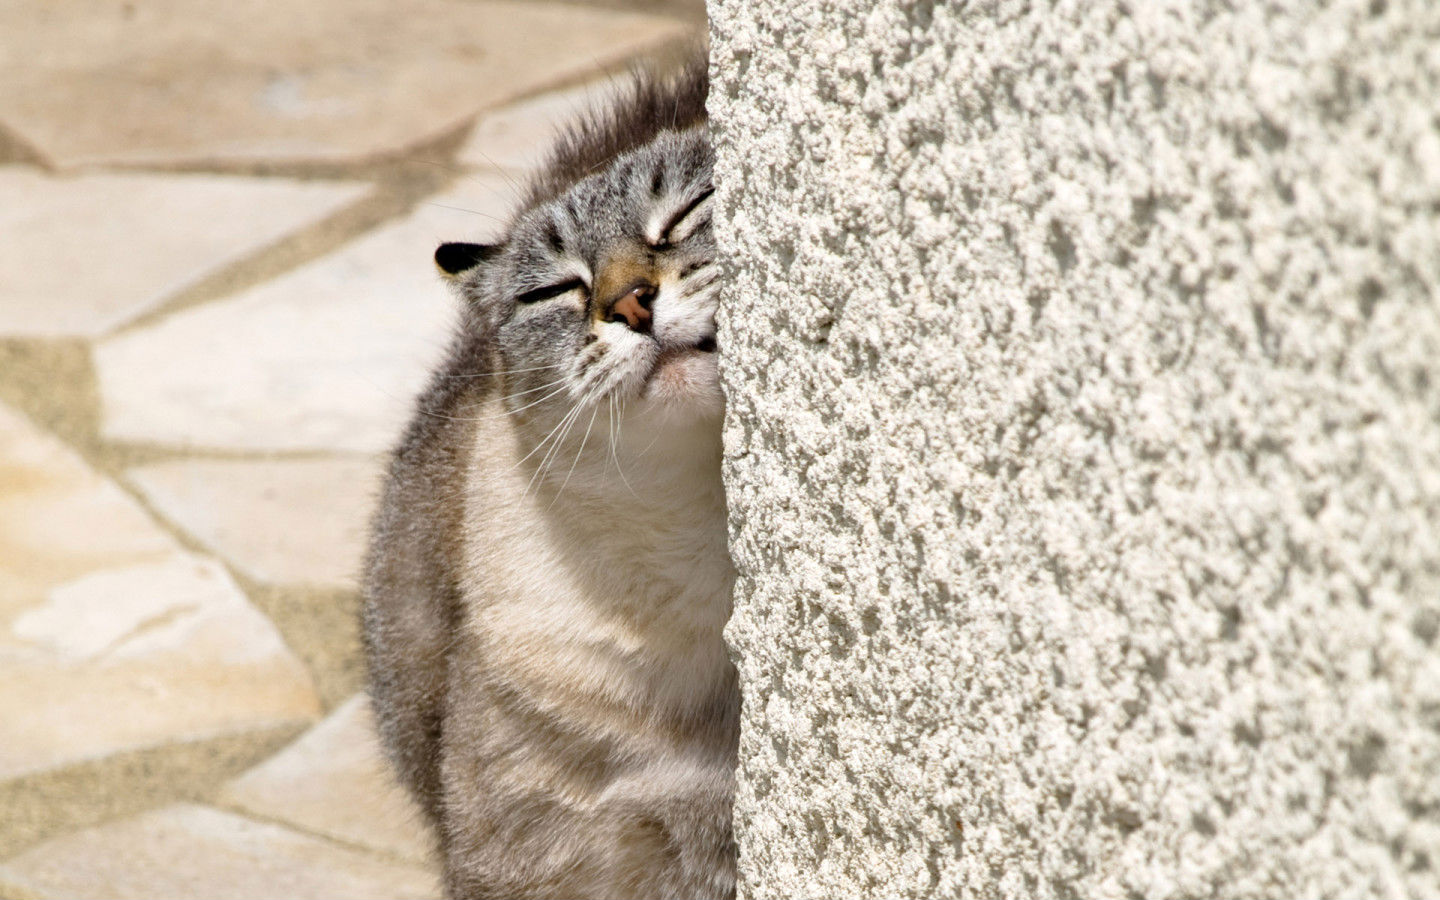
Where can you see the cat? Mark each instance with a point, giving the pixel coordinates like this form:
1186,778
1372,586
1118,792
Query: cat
548,579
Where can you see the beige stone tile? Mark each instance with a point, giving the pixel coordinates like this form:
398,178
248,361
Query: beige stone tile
165,81
335,781
80,256
111,637
278,521
518,137
138,656
327,357
59,519
186,851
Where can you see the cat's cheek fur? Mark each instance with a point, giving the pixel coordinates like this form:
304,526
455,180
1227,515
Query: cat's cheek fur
687,382
683,319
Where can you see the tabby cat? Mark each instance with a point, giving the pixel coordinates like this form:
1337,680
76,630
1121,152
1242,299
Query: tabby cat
548,578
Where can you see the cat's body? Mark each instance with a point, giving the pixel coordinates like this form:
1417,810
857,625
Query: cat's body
548,578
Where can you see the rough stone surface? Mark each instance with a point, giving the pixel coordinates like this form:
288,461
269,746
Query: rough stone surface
328,357
334,781
187,851
110,81
81,256
517,137
295,521
1083,449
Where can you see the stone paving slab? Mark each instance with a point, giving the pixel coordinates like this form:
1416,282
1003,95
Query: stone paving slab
110,81
518,137
334,781
81,256
47,495
327,357
111,637
296,521
134,657
186,851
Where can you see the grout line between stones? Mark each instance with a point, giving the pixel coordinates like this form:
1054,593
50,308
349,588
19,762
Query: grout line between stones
91,793
366,849
292,609
16,150
329,682
392,195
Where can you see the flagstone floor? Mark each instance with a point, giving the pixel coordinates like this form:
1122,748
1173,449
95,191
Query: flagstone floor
216,302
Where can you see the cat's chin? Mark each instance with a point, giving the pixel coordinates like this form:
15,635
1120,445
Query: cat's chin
685,380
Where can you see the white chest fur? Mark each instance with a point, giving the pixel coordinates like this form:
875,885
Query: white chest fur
599,588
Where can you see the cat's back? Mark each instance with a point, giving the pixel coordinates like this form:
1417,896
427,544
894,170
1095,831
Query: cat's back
410,593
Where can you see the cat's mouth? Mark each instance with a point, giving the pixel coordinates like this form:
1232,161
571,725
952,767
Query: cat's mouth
706,344
683,372
686,377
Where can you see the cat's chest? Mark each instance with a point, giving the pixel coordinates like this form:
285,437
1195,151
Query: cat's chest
574,595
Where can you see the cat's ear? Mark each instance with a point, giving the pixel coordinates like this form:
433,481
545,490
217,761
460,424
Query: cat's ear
455,260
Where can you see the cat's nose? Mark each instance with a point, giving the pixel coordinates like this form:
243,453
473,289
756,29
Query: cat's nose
632,308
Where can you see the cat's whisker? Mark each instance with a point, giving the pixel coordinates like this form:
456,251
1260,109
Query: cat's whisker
562,429
610,429
578,453
516,189
563,383
507,372
515,186
543,387
473,212
540,466
554,450
709,273
558,383
541,443
436,415
651,444
705,291
506,412
619,421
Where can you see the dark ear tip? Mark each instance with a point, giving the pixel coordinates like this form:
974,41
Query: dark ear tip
456,258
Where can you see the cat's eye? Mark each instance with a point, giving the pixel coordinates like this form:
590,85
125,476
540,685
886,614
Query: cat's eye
554,290
679,227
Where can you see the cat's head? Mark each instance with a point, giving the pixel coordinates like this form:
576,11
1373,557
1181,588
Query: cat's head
602,297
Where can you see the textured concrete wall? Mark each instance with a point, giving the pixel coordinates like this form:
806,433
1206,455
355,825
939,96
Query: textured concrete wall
1084,445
